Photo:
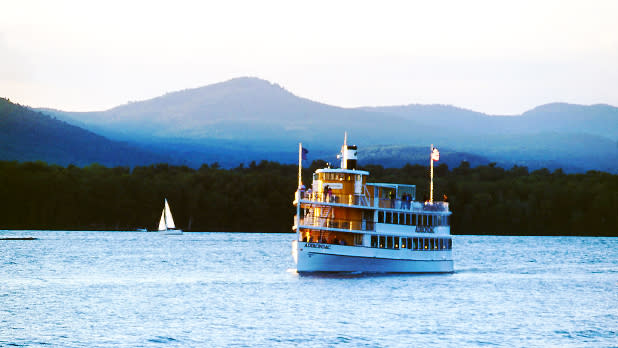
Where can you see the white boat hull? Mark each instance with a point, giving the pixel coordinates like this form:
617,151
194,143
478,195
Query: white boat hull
313,257
170,232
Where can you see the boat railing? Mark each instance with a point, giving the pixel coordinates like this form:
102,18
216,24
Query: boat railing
361,200
357,225
334,198
416,206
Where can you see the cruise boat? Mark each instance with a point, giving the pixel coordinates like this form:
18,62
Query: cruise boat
343,223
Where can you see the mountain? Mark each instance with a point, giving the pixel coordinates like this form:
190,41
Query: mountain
600,119
247,109
28,135
248,119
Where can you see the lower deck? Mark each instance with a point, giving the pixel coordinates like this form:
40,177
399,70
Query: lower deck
418,242
318,257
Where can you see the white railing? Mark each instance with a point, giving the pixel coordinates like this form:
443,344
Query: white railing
363,201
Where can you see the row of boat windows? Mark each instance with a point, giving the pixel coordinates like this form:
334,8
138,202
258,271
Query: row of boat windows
412,219
337,176
392,242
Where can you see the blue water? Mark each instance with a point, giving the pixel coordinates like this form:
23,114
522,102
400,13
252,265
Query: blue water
132,289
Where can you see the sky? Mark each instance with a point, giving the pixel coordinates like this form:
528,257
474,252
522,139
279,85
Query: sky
497,57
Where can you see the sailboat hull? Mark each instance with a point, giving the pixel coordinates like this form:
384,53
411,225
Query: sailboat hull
171,232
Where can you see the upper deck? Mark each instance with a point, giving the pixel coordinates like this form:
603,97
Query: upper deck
379,196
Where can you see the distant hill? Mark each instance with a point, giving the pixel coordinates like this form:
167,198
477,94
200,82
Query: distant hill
600,120
248,119
247,109
27,135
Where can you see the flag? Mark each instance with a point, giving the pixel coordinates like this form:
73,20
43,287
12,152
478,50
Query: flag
435,155
304,153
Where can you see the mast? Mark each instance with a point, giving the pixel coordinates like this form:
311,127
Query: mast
300,164
300,168
165,213
431,174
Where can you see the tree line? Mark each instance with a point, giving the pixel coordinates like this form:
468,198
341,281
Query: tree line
258,197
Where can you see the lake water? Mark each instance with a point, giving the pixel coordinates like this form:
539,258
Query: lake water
132,289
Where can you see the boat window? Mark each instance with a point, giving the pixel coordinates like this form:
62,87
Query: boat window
450,244
374,241
382,242
358,239
402,218
410,243
415,244
380,217
403,243
425,244
389,218
396,240
389,242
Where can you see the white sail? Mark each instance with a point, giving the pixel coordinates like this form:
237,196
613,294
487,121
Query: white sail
169,221
162,221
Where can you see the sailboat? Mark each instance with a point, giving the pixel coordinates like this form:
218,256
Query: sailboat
166,224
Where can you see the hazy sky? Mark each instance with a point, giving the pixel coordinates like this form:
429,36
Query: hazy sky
499,57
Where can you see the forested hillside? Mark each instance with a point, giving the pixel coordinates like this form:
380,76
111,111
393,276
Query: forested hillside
258,198
27,135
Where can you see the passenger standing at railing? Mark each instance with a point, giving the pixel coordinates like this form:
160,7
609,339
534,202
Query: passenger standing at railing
309,192
324,191
407,199
330,194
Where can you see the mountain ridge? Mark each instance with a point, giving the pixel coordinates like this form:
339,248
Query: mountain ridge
29,135
252,113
